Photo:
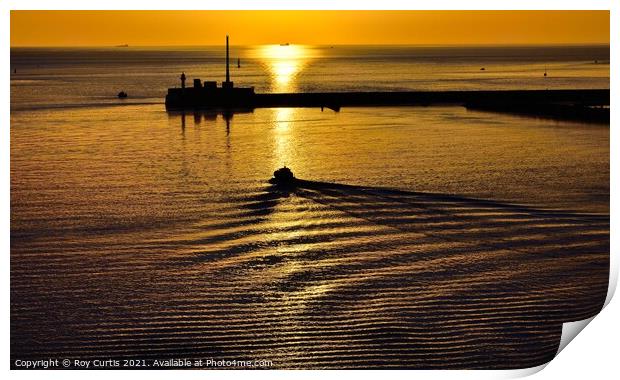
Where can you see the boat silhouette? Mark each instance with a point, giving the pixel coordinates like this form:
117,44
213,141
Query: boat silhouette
283,177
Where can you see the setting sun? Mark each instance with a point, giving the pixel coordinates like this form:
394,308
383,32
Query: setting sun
284,62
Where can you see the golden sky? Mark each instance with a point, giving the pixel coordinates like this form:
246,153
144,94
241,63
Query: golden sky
108,28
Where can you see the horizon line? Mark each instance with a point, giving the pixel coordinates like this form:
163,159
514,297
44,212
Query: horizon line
516,44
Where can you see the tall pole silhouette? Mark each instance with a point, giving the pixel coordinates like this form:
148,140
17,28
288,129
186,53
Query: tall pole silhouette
227,70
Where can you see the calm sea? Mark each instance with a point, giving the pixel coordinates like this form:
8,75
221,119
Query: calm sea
438,236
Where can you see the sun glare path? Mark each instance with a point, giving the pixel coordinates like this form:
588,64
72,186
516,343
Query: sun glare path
284,63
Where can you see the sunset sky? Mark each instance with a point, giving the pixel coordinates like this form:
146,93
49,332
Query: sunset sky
108,28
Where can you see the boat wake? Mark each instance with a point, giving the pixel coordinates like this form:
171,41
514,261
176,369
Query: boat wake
327,275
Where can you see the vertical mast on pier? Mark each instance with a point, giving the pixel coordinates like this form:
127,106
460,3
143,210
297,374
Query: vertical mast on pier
227,70
227,83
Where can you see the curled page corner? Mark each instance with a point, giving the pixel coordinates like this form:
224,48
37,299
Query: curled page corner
613,279
519,373
570,331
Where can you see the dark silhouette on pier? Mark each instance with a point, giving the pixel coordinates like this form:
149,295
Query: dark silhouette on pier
582,104
208,95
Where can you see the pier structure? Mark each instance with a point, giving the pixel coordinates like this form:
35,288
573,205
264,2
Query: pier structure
207,95
577,104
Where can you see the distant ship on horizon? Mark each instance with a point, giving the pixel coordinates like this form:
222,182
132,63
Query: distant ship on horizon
123,45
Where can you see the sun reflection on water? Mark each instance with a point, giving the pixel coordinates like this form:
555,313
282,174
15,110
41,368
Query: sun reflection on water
284,63
283,149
